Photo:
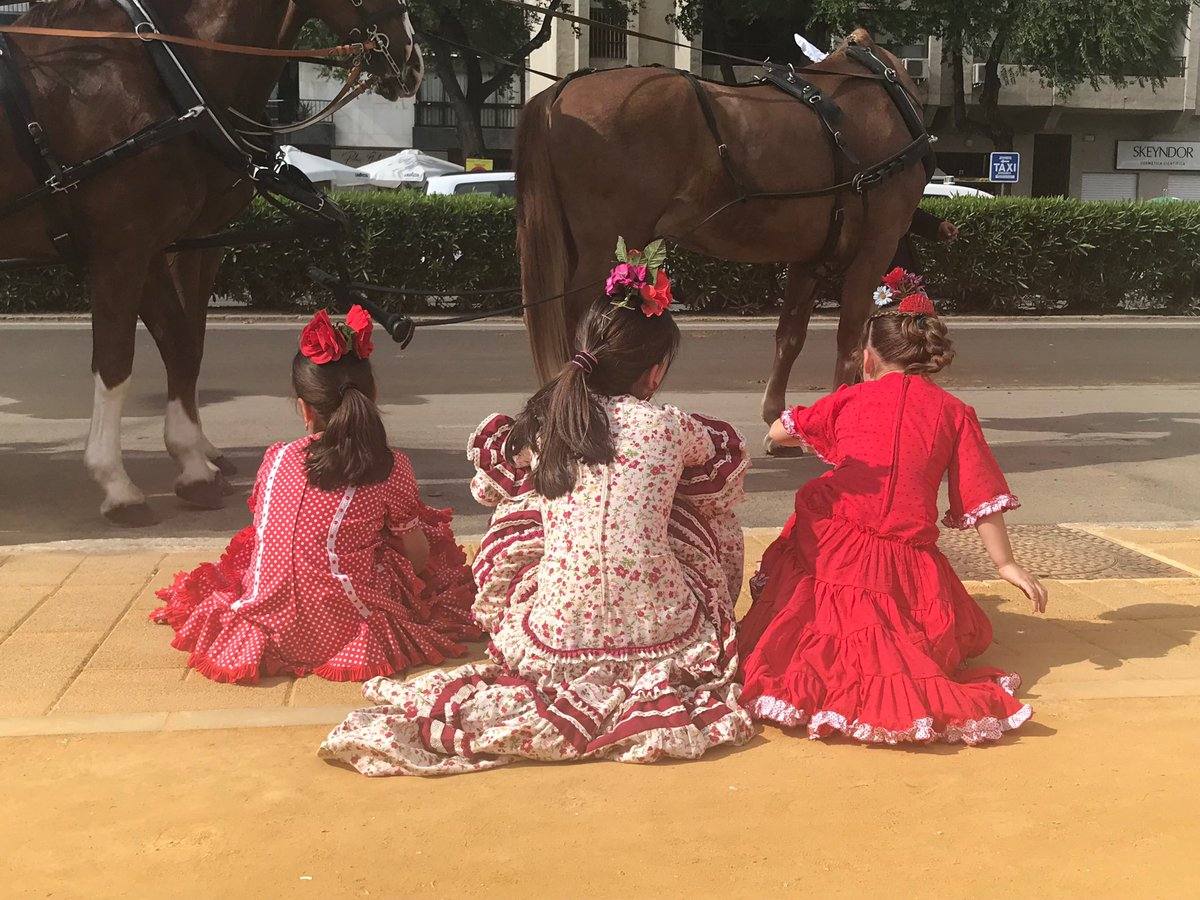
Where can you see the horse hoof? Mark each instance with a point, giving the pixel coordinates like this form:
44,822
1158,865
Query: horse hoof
225,466
777,452
203,494
134,515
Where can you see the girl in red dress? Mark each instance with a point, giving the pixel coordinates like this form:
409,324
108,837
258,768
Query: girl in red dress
859,625
345,573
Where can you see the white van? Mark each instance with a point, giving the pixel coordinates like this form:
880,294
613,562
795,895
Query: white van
501,184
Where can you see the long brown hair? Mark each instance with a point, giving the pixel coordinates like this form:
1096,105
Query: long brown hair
565,423
918,344
352,447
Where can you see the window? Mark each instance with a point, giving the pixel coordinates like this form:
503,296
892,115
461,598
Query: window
607,42
1183,187
499,188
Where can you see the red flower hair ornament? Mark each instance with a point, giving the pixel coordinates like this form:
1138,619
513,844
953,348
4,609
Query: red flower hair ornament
906,292
323,341
639,279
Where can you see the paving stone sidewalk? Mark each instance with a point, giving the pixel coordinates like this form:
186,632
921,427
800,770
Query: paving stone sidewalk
78,653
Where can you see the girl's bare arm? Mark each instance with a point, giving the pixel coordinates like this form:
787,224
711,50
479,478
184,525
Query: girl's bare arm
994,534
780,437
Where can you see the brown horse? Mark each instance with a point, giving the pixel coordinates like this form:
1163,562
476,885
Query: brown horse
628,152
89,95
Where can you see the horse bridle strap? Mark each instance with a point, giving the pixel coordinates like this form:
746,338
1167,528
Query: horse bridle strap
143,33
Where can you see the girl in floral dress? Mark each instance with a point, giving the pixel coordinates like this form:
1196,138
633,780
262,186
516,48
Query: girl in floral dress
859,625
345,573
607,578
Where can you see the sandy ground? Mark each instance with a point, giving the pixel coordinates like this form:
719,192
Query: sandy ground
1094,798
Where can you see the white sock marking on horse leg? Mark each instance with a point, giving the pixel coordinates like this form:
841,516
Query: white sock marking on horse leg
187,445
103,453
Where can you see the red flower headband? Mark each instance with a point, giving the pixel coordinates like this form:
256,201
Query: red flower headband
640,276
906,289
323,342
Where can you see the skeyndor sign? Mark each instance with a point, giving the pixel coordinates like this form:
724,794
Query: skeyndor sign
1165,155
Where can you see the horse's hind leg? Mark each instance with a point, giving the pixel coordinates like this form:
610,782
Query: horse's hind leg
194,275
114,327
166,319
798,302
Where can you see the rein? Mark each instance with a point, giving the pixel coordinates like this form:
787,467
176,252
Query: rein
324,54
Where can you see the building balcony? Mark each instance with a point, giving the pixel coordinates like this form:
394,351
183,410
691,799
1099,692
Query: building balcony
1023,87
11,11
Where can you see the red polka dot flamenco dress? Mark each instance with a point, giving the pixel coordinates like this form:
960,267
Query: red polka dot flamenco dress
859,625
314,586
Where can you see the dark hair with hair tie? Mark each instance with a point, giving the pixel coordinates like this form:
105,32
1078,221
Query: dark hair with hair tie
352,448
565,422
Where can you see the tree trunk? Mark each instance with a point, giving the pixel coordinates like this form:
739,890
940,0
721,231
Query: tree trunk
957,62
715,36
468,118
1000,132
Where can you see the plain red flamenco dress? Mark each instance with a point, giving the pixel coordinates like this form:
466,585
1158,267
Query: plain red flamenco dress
314,586
859,625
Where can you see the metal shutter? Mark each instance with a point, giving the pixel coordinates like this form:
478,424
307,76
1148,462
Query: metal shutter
1185,187
1109,186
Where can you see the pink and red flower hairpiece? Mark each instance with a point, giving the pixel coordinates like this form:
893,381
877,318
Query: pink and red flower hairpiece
640,279
324,341
905,291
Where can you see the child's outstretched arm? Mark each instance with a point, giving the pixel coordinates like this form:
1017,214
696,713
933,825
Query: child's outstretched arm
781,437
994,534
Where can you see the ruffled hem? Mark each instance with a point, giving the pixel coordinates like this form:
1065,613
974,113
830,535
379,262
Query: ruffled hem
421,727
823,723
1002,503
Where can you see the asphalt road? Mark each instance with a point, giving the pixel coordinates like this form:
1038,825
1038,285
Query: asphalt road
1095,421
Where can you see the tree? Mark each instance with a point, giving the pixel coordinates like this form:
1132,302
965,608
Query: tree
451,31
716,21
1066,43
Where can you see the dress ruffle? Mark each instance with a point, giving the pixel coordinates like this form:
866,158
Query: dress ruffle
854,634
676,698
1002,503
422,621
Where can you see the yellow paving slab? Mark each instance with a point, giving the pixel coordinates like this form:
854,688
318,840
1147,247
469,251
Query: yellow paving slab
81,607
17,602
49,569
166,690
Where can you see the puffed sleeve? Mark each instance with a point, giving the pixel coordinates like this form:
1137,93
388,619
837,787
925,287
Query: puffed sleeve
401,497
698,447
816,426
496,479
977,486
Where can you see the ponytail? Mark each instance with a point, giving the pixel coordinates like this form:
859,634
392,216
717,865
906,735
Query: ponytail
352,448
566,423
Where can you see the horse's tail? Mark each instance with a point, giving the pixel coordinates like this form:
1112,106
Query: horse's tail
542,239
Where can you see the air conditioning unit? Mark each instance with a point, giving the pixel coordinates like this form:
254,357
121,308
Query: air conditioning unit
918,69
978,74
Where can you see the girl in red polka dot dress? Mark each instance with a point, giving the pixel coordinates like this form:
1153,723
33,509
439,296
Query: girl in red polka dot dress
859,625
345,573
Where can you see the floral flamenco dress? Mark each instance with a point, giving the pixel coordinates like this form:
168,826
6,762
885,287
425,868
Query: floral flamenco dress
610,609
315,586
859,624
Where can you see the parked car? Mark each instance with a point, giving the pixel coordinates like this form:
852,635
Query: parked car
501,184
950,189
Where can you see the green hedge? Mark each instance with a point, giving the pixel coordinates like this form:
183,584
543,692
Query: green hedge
1015,256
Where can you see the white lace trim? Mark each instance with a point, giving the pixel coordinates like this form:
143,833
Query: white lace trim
268,489
974,731
330,548
789,425
1002,503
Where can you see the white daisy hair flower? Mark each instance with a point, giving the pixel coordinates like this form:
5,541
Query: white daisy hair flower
883,295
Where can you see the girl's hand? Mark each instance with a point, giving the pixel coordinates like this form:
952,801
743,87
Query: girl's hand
1028,584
